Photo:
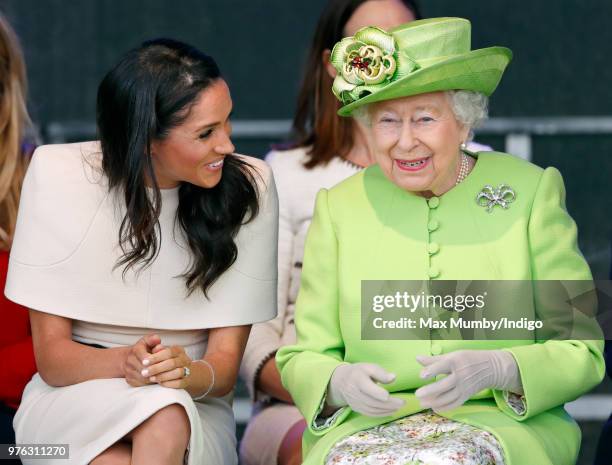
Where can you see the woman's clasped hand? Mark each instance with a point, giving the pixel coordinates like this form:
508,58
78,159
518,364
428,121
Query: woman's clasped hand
149,362
466,373
134,362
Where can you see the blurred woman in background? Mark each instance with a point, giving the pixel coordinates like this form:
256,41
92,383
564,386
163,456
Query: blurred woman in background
327,150
16,351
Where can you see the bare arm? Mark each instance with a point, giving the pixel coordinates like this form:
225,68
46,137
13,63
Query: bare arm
62,361
224,353
269,381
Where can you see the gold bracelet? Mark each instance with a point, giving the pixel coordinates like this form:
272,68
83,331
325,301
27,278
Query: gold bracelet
212,382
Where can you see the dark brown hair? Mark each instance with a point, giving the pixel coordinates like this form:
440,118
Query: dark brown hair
150,91
316,123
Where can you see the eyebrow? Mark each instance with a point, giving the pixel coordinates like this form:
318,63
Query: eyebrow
426,108
216,123
419,108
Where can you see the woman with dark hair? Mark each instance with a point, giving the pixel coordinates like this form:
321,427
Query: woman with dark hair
327,150
144,259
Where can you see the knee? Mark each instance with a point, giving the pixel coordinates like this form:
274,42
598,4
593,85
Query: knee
168,428
117,454
290,452
295,459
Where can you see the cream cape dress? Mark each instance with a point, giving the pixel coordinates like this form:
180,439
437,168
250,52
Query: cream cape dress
65,247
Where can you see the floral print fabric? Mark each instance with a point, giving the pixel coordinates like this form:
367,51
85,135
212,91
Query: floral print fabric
421,439
516,402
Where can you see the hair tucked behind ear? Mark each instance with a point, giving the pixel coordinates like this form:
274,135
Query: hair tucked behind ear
150,91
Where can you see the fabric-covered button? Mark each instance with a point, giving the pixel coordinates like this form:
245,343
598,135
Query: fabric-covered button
433,225
436,349
434,272
433,202
433,248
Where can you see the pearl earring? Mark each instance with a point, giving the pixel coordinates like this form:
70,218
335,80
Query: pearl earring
463,146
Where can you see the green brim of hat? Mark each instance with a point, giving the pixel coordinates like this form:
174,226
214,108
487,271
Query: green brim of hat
478,70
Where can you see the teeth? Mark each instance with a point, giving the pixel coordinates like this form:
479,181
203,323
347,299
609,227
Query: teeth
216,164
413,164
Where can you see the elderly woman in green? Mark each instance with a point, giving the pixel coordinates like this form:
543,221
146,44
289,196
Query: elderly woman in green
430,210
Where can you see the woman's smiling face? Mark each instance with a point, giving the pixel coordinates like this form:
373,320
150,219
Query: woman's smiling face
194,150
416,142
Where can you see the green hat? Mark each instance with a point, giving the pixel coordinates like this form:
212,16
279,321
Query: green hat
415,58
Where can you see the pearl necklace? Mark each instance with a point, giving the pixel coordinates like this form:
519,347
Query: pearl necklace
464,169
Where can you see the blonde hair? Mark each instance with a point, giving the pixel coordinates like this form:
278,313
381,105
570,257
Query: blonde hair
13,119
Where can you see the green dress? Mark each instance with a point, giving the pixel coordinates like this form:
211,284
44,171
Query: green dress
366,228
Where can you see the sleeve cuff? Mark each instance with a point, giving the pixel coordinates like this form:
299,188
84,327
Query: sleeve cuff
258,395
257,352
322,423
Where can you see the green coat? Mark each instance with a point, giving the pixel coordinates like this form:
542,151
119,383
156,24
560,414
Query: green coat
368,228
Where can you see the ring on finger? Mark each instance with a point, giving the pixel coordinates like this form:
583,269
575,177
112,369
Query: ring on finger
186,372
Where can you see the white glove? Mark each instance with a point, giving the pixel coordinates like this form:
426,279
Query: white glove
355,385
469,372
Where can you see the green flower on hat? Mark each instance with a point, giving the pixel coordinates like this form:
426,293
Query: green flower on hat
366,63
428,55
